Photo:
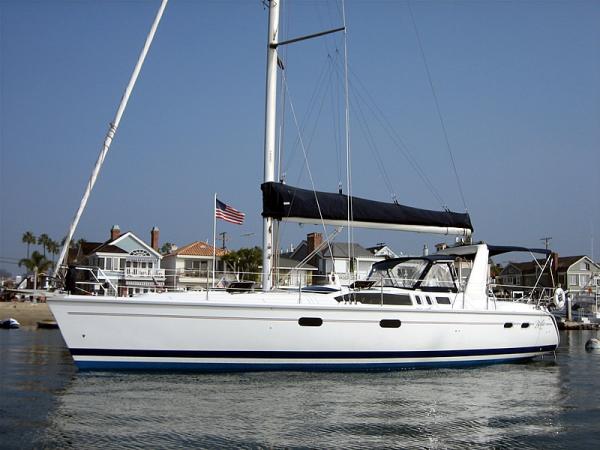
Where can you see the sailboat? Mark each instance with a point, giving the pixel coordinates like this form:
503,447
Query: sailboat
411,312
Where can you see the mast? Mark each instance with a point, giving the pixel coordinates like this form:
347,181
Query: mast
270,111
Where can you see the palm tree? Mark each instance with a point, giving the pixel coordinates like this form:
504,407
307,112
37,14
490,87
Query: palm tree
53,248
43,241
28,238
246,261
36,264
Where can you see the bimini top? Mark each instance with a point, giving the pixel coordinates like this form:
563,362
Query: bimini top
284,202
392,262
494,250
501,249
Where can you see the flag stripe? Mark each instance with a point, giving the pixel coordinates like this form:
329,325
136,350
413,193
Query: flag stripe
229,214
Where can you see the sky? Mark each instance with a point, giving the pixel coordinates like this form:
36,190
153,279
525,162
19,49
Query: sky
516,83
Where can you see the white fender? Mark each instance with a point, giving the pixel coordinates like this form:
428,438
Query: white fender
559,298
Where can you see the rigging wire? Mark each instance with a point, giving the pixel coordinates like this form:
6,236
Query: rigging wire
317,93
399,143
437,106
306,163
373,147
335,108
348,153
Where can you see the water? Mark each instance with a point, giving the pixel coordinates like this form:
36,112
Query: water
46,403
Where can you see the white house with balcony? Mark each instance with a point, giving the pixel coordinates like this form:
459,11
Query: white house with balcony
124,265
189,268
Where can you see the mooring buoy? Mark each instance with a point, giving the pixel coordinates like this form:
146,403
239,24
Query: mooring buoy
592,344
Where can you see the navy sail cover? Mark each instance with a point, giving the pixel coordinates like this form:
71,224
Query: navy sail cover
281,201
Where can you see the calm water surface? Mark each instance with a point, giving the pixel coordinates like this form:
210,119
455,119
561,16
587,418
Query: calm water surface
46,403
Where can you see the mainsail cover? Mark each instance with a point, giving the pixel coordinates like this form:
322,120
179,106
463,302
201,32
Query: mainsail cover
284,202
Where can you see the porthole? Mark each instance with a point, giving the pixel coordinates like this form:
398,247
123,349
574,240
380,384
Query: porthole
389,323
525,325
508,325
310,321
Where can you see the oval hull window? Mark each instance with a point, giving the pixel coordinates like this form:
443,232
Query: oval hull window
310,321
389,323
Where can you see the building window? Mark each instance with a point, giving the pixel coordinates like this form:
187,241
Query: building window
584,279
573,280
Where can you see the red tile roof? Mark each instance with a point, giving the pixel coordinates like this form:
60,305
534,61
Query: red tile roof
197,248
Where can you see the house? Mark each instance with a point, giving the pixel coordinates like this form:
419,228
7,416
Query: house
578,274
382,250
190,267
292,273
575,274
123,265
348,262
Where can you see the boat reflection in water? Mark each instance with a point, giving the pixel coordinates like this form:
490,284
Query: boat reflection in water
493,406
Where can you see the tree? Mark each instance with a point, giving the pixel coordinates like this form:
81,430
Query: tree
495,270
28,238
246,261
53,248
167,248
37,263
43,240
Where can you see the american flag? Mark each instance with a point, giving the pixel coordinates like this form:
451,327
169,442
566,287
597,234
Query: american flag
229,214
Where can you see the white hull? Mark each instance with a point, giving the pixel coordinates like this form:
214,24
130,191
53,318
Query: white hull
262,332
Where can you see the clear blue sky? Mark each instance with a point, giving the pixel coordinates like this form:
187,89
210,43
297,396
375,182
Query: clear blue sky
517,84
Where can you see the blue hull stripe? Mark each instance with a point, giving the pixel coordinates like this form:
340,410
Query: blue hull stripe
306,355
312,367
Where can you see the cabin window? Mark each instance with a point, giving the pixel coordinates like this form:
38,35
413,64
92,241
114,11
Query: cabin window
389,323
508,325
443,300
376,298
418,299
525,325
310,321
428,300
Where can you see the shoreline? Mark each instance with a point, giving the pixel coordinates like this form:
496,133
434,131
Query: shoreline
26,313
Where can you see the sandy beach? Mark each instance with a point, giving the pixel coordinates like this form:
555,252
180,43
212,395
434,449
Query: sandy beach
27,313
